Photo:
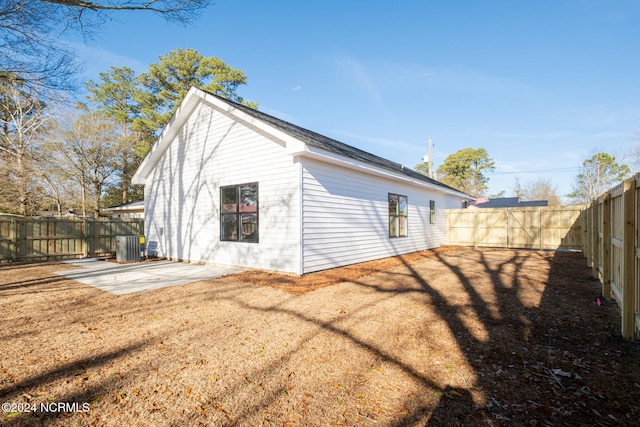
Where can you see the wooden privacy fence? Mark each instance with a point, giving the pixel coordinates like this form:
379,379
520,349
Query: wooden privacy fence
543,227
612,248
42,239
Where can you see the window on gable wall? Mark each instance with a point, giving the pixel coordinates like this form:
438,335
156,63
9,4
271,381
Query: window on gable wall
398,215
239,213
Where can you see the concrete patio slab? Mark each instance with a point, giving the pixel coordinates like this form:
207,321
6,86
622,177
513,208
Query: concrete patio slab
121,279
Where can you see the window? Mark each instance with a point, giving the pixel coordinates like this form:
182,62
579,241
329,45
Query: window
432,212
239,213
398,214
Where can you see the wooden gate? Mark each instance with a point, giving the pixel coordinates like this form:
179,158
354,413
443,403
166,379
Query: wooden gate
544,227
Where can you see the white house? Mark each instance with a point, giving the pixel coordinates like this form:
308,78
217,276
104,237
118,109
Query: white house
228,184
134,209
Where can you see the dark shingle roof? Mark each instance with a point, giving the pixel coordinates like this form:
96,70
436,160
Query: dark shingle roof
317,140
533,203
501,202
509,202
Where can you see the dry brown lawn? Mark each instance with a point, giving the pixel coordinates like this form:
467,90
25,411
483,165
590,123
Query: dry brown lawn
450,337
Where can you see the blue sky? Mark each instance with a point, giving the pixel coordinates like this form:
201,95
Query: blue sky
540,85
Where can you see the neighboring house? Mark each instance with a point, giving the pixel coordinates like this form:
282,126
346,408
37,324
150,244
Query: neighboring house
228,184
133,209
506,202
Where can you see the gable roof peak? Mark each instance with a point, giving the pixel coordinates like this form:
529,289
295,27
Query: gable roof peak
306,136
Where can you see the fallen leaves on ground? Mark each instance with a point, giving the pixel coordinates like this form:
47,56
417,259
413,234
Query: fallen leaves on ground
456,336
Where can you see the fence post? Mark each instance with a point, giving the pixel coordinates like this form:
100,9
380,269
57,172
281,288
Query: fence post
628,251
85,238
584,224
508,222
587,222
13,240
540,228
595,248
635,188
606,245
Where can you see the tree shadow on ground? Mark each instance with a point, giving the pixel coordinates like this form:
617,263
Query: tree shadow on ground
543,362
502,316
473,337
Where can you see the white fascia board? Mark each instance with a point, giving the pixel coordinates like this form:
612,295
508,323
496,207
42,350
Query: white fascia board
178,119
331,158
129,207
136,210
191,100
193,97
291,143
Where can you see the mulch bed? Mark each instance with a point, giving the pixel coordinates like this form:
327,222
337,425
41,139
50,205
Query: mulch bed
456,336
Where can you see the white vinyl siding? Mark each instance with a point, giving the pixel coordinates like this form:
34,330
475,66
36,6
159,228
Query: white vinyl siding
182,195
346,213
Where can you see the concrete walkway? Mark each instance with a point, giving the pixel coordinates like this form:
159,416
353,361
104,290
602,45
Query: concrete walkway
123,279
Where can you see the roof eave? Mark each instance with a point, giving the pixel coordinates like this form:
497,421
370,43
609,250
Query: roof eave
294,146
331,158
166,136
193,97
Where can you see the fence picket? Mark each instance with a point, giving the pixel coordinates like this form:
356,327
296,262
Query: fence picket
607,231
628,260
616,250
543,227
44,239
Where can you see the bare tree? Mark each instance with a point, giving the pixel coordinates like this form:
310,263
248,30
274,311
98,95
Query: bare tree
30,51
60,189
24,119
631,155
517,187
541,189
30,30
182,11
600,172
88,152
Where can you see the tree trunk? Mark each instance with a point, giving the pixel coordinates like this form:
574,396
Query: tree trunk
84,198
98,190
